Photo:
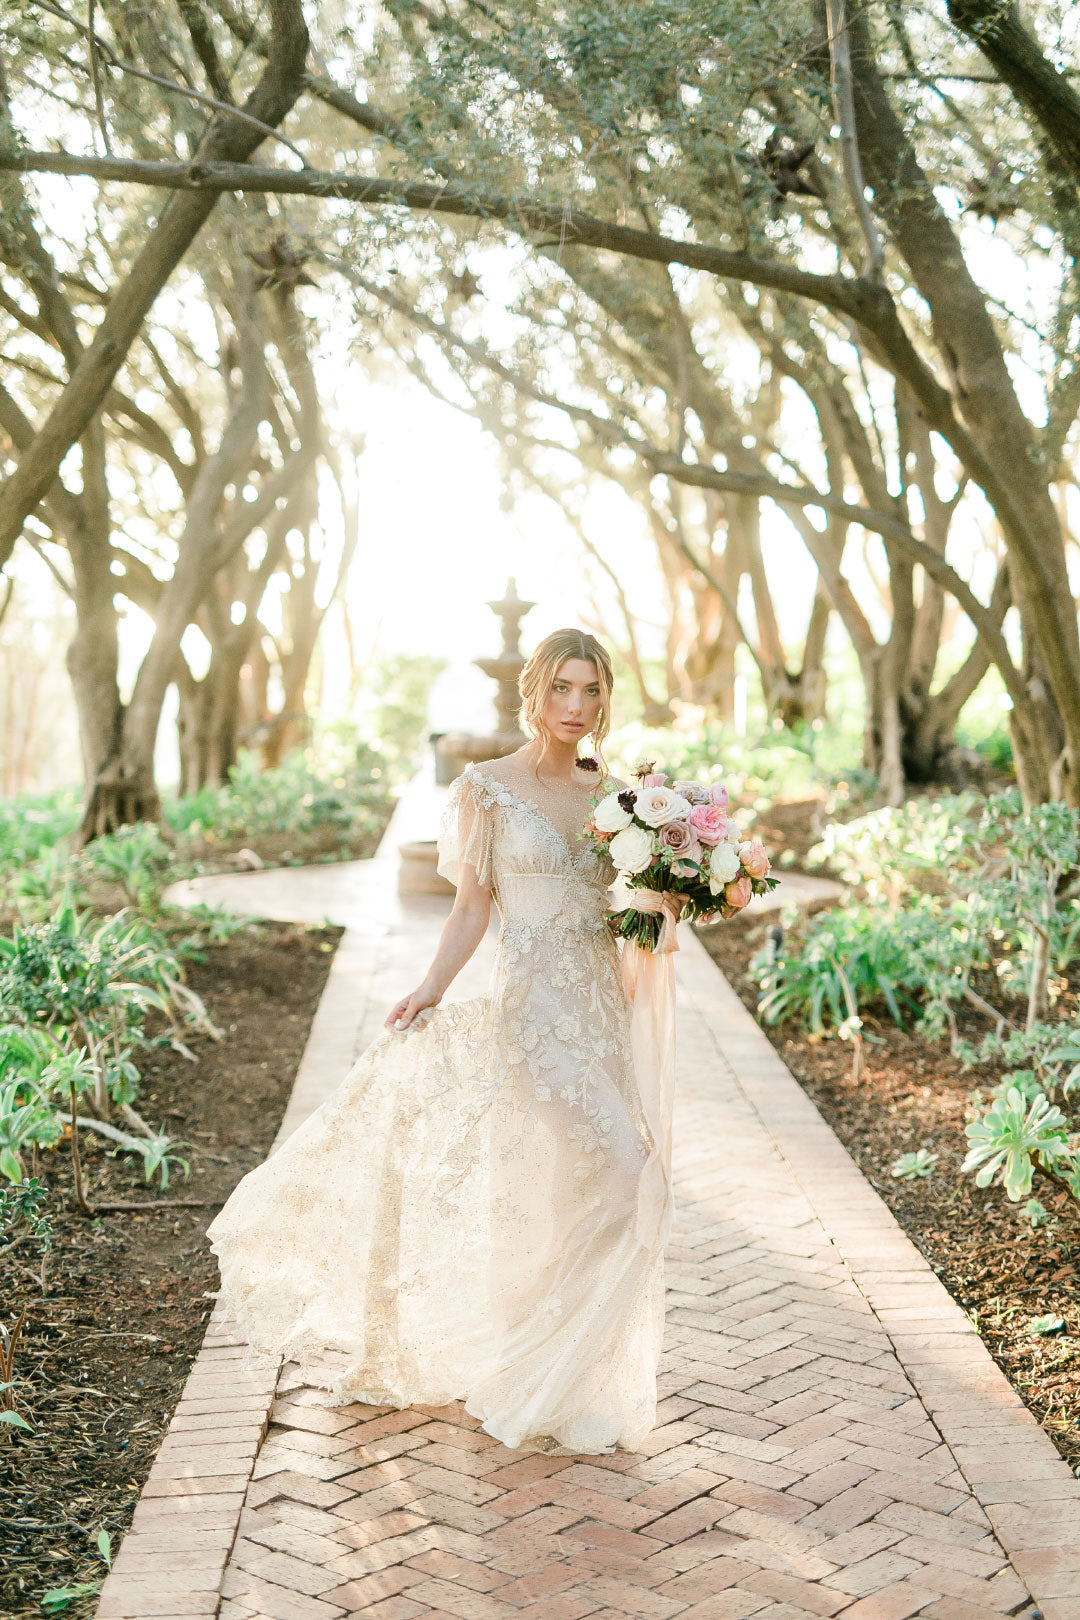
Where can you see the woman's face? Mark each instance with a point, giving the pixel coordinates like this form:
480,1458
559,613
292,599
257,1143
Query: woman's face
575,700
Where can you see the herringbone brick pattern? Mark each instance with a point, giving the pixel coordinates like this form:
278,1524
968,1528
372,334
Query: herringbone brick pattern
795,1471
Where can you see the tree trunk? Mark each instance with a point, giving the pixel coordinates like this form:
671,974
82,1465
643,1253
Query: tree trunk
124,790
207,721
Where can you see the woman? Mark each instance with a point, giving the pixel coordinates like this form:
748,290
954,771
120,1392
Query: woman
478,1211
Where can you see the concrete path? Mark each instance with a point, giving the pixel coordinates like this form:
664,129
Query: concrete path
834,1439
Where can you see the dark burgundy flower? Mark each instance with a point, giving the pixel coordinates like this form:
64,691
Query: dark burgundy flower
588,763
628,798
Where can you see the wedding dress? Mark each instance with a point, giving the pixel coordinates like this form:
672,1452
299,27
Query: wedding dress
478,1212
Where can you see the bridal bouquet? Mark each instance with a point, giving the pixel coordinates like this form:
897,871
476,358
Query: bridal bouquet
680,849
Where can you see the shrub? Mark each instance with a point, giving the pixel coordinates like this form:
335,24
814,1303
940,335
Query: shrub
955,886
347,789
76,991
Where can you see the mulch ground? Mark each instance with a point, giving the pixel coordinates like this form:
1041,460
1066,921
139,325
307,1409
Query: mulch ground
110,1337
912,1094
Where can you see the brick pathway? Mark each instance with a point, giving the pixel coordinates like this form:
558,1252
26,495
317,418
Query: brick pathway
833,1440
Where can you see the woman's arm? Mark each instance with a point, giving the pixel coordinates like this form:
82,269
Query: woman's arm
465,928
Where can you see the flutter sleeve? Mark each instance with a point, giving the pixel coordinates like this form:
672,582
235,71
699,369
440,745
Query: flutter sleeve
466,835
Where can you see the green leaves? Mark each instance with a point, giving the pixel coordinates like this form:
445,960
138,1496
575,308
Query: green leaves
22,1205
914,1166
25,1121
859,945
1012,1137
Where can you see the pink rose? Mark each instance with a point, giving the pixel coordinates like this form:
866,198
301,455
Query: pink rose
738,894
718,793
754,859
676,836
708,821
654,779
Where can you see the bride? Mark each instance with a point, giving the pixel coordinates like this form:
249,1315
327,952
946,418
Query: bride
478,1212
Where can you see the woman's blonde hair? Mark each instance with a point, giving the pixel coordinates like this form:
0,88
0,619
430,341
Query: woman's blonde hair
538,677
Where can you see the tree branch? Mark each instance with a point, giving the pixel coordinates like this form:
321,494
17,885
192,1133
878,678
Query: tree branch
844,109
100,48
1043,91
179,224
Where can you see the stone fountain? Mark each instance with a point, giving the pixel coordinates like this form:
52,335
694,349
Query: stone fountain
456,749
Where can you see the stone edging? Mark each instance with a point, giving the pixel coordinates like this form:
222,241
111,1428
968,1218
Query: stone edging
1012,1467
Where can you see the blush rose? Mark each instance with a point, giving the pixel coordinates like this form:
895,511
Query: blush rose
708,822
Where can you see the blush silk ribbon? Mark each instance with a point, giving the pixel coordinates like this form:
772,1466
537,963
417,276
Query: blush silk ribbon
666,903
648,979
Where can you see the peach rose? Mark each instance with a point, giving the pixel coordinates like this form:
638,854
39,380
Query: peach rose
708,821
739,893
754,859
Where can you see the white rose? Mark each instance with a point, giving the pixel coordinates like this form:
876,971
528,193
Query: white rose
658,805
632,849
609,816
723,867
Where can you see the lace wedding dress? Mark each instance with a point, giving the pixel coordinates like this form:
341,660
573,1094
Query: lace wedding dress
478,1212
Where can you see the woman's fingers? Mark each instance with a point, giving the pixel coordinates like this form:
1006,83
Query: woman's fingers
398,1013
416,1007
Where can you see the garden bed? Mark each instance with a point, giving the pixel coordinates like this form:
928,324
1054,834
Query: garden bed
109,1341
913,1095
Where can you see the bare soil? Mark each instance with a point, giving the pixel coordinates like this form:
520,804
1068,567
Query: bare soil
912,1094
110,1337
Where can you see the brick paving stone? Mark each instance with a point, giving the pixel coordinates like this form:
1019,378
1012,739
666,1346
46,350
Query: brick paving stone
394,1608
896,1602
564,1606
368,1589
807,1595
461,1601
734,1604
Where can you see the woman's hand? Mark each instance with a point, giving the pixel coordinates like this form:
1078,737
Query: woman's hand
401,1016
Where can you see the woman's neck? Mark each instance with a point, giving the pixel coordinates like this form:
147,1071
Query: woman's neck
555,759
